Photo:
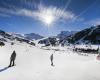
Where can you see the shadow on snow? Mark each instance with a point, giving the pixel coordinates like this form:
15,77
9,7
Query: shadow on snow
4,69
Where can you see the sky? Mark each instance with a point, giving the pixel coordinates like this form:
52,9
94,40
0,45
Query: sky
48,17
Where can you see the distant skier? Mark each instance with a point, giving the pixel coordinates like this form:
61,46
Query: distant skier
98,50
12,59
51,58
98,57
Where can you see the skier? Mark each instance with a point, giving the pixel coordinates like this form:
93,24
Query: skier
51,58
12,59
98,50
98,57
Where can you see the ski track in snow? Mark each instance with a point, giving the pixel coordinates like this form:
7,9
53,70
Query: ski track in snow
33,63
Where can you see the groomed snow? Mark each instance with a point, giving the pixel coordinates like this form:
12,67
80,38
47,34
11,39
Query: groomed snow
33,63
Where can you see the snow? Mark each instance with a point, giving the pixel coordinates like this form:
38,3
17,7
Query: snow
89,46
33,63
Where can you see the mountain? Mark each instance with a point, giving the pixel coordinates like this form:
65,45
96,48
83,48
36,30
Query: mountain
13,37
56,40
65,34
18,35
48,41
30,36
5,36
87,36
33,36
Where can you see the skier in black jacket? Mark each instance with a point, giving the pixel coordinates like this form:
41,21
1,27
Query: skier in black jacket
12,59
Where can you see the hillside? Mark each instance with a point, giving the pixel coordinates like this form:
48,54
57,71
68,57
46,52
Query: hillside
64,34
87,36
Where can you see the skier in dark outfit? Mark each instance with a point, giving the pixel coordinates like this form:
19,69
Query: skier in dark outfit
51,58
12,59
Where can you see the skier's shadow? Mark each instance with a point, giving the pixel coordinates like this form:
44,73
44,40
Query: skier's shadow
4,69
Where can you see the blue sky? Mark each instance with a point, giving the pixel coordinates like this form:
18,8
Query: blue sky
48,17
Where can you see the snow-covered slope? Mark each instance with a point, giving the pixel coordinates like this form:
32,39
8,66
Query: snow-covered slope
33,63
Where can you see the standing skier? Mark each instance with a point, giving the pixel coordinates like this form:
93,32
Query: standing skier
99,51
98,57
51,58
12,59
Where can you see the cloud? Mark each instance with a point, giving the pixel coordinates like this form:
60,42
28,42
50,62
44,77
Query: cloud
41,12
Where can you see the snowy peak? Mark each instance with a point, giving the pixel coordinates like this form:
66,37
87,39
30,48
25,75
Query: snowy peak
56,40
33,36
5,36
65,34
48,41
13,37
30,36
18,35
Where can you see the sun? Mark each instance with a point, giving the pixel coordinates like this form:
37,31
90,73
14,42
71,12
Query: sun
46,16
48,19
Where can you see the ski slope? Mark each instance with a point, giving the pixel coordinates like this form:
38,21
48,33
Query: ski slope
33,63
